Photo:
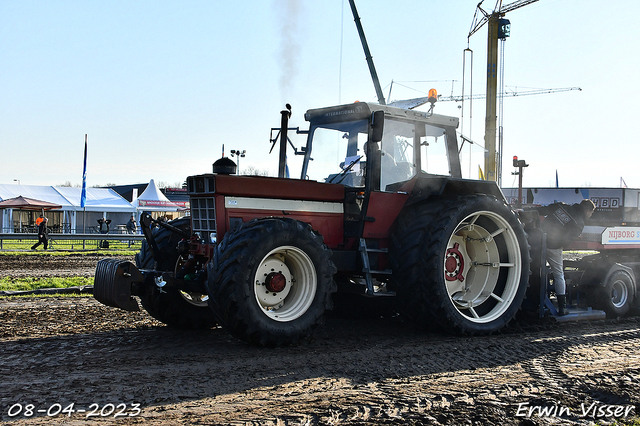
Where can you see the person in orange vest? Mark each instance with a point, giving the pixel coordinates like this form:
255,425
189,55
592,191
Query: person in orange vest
43,233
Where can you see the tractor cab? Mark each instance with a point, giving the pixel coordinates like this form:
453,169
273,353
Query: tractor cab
378,147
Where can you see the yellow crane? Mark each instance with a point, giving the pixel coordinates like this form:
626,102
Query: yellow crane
498,29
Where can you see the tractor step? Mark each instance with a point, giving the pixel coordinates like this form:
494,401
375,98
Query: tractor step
368,272
373,271
377,250
581,315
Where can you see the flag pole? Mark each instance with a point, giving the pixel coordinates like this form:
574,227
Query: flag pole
83,196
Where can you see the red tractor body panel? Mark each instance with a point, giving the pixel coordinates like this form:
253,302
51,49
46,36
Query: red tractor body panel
384,207
239,199
329,225
270,187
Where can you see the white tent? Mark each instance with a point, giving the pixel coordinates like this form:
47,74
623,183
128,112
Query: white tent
152,199
100,202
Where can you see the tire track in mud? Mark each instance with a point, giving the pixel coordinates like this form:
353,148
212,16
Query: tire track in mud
576,390
379,371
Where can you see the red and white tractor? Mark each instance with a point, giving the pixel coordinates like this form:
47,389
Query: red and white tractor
380,208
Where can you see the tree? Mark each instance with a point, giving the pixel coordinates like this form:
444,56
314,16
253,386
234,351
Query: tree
253,171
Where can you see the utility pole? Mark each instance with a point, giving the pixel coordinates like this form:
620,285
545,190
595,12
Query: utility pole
520,164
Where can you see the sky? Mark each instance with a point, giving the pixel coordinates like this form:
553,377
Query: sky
159,86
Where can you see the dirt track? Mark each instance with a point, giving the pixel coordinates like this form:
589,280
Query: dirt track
376,371
41,265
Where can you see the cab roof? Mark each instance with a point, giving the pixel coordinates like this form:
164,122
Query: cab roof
362,110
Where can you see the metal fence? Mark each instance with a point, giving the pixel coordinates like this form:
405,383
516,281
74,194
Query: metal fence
72,241
64,228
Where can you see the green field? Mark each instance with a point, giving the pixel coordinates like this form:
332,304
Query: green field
34,283
68,245
27,284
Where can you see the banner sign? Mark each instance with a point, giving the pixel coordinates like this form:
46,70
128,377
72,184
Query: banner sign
621,235
159,203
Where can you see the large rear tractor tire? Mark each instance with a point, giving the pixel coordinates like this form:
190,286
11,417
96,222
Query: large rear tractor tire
460,264
271,281
169,305
615,297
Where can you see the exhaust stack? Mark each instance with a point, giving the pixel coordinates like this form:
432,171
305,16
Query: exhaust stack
284,124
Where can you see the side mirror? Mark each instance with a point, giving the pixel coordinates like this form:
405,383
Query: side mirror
377,126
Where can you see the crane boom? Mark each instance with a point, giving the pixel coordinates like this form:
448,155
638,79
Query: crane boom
500,11
416,102
509,94
515,5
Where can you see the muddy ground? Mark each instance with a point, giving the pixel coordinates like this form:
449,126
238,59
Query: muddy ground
59,355
42,265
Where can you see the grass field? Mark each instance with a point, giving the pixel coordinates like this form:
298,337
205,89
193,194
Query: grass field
27,284
68,245
36,283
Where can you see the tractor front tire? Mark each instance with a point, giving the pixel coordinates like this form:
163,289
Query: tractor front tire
170,305
271,281
460,264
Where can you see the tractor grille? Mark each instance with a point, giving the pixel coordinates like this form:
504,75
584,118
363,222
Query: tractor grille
203,216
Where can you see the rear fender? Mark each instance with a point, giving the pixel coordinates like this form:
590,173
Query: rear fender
428,185
600,269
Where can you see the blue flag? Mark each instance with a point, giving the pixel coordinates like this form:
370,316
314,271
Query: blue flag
83,197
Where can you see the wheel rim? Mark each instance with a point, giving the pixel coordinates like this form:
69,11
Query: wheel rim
482,266
285,283
196,299
619,294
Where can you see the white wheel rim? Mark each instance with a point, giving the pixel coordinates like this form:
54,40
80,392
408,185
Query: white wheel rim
297,269
482,277
619,294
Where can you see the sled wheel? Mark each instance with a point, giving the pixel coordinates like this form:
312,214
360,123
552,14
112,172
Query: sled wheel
615,297
271,281
460,263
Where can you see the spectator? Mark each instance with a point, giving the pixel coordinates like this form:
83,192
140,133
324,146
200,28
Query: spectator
132,227
43,233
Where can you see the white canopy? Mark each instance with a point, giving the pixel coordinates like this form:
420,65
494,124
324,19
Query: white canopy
99,202
152,199
98,199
